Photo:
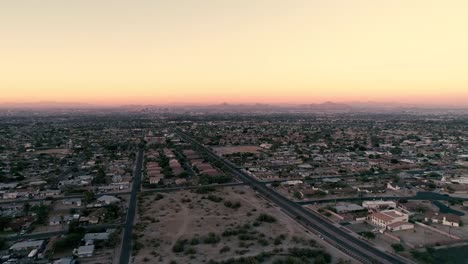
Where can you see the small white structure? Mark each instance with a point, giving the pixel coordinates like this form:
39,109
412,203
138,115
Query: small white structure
97,236
348,208
461,180
108,199
65,261
84,251
291,183
154,180
27,245
55,220
391,187
378,204
72,201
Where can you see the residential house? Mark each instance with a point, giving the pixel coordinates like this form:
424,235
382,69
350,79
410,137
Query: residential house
27,245
84,251
108,199
55,220
444,219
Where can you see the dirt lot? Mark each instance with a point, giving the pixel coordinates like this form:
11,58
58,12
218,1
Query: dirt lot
235,149
177,227
54,151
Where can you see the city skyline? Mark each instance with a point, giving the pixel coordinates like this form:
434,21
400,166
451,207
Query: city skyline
204,52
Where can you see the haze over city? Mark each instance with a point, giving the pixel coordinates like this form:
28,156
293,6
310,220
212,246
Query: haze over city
208,52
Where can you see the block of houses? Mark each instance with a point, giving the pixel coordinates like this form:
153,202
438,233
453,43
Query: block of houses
50,193
444,219
10,195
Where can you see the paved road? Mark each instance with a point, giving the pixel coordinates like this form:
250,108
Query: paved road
353,246
321,177
426,196
173,189
45,235
20,201
128,227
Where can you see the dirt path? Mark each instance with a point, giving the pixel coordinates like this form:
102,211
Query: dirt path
184,214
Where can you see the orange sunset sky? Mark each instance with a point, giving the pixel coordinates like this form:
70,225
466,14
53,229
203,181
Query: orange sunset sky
238,51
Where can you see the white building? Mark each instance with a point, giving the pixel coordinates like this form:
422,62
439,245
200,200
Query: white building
108,199
392,220
96,236
461,180
291,183
84,251
378,204
393,188
55,220
27,245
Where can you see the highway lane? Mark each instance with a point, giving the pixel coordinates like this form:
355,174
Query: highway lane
128,227
339,238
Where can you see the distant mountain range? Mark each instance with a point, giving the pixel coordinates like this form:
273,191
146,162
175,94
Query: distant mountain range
225,107
46,105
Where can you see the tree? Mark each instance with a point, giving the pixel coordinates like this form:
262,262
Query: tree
42,212
297,195
100,177
112,212
26,208
4,221
88,197
396,151
2,242
266,218
70,241
398,247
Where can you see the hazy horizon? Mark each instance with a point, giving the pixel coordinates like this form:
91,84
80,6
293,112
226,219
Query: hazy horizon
207,52
352,104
